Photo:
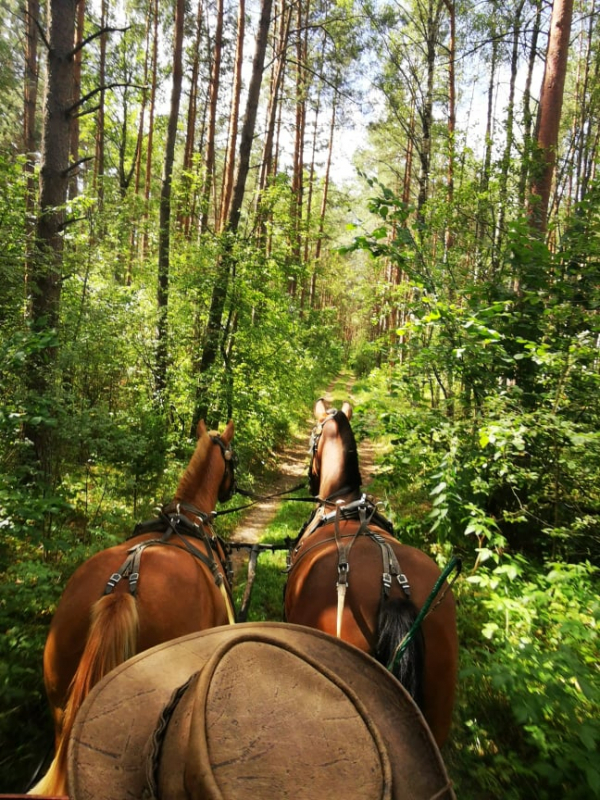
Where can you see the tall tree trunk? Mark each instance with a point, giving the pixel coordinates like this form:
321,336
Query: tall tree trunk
321,232
30,138
212,336
150,143
298,159
139,152
483,204
506,156
410,145
283,18
432,30
209,163
449,235
280,48
549,112
46,276
99,162
73,187
164,234
188,154
587,138
233,118
527,113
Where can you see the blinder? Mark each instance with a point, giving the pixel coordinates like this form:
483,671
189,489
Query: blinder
227,487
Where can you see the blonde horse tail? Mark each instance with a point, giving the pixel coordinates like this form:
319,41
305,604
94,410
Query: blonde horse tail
112,639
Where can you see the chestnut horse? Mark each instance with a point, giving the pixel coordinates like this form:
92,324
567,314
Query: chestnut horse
168,580
349,577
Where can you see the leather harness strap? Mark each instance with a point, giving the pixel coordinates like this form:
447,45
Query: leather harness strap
391,567
366,513
174,524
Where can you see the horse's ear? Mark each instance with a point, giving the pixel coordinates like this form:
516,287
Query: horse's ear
347,410
201,429
227,434
320,409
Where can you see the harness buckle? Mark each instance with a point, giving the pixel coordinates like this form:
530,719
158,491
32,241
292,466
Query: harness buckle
133,580
387,582
112,582
343,570
403,581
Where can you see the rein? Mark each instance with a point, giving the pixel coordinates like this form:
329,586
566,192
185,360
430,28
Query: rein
259,498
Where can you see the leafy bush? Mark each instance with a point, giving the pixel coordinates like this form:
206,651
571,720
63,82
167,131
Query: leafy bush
529,712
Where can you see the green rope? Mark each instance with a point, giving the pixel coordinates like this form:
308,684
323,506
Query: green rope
454,563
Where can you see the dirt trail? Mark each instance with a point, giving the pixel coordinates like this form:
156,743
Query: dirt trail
292,467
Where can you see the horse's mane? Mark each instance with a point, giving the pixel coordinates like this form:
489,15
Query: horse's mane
188,483
352,471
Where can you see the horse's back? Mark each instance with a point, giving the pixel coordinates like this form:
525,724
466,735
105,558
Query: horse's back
311,599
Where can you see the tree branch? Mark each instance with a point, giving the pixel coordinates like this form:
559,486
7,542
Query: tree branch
99,89
93,36
76,164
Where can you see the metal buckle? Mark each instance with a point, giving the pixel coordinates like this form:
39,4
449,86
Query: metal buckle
133,579
112,582
343,570
403,581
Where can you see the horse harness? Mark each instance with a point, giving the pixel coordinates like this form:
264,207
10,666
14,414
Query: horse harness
172,523
365,511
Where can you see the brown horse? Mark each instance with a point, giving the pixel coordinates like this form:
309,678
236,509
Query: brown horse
168,580
350,577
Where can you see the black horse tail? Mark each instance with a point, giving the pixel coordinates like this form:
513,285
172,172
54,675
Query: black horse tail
395,619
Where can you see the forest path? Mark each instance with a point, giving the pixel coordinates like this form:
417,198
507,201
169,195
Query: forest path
292,468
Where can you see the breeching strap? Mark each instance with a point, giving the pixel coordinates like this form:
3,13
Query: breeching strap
455,563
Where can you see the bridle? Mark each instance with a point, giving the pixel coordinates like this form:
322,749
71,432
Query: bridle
227,487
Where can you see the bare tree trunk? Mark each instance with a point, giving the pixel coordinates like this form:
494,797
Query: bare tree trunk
233,118
311,177
506,156
99,162
73,187
586,150
449,235
432,25
406,186
151,113
527,113
134,229
275,90
297,209
321,232
46,276
164,240
30,138
209,164
188,155
549,112
483,221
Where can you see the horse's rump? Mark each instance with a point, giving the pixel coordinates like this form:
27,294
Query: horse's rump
377,625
